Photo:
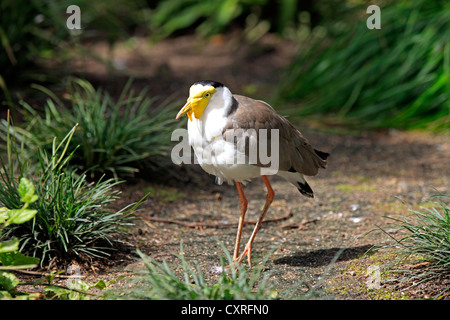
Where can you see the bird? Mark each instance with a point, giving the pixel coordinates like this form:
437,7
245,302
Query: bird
215,114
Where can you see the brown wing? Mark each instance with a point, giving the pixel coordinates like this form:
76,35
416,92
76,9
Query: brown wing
295,152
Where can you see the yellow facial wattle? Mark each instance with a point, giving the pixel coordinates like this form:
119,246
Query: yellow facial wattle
199,97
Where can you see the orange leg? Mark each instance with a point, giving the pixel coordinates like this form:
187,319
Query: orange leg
241,219
248,247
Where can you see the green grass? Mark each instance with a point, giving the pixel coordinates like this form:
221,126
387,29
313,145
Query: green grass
424,237
185,281
116,136
73,217
398,76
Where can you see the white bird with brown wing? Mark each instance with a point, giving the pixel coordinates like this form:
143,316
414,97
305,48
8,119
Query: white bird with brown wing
215,115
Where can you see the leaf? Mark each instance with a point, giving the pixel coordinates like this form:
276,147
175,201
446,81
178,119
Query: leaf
3,214
4,295
99,285
26,191
52,275
17,259
58,291
8,281
9,246
19,216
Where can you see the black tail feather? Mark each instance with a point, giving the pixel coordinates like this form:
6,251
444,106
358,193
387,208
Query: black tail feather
321,154
305,189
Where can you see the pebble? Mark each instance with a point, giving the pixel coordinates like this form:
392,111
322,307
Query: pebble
216,269
356,219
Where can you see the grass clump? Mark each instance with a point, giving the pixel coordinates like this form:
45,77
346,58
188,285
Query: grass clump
397,76
424,244
160,281
117,137
73,217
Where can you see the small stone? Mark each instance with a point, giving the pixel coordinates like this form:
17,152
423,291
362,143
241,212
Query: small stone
356,219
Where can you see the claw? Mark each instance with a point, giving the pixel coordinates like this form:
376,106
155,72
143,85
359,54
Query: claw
247,252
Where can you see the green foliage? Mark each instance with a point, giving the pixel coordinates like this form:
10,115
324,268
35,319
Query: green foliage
19,216
71,216
10,258
160,281
212,17
33,31
27,31
74,290
425,237
171,16
119,137
397,76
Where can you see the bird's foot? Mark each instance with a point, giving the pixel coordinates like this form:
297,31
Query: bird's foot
238,260
247,252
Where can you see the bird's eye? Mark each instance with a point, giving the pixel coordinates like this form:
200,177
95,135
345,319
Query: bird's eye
207,95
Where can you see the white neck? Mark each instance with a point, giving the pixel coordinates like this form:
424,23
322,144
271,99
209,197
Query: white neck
220,102
214,117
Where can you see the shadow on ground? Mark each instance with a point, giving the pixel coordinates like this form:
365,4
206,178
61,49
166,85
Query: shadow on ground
322,257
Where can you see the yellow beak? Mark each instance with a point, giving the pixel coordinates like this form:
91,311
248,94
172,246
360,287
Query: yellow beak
187,108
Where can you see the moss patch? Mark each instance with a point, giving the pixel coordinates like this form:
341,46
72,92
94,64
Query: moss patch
357,277
164,193
356,187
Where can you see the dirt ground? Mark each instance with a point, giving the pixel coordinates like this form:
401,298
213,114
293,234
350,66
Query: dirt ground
370,175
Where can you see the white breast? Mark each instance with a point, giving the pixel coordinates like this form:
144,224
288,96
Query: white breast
214,154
